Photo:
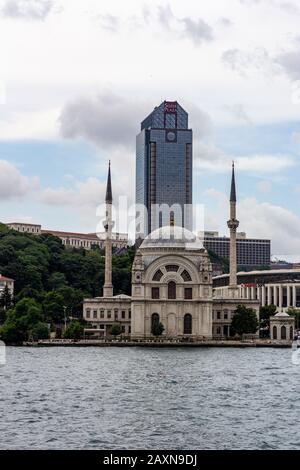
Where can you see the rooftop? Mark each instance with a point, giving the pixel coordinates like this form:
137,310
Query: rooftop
262,272
172,237
4,278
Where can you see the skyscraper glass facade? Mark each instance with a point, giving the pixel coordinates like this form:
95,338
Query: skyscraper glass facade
164,165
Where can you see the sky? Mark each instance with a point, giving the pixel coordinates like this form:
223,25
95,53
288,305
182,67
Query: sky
78,76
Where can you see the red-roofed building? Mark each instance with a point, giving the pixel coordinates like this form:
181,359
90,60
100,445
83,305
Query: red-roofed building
6,281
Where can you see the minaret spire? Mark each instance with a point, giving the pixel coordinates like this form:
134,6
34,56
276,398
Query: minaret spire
108,198
233,224
108,225
233,190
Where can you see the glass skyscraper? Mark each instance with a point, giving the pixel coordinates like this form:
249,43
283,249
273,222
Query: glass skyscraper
164,169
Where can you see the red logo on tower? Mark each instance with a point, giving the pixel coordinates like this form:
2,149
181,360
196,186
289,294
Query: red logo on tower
170,106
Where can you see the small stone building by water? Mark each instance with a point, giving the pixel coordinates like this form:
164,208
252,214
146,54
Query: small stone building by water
282,327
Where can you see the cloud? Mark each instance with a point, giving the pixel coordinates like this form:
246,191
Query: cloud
287,7
83,194
264,186
197,30
267,220
208,157
109,22
33,124
13,184
261,220
88,193
199,120
243,62
290,63
238,112
107,120
226,22
111,121
295,138
27,9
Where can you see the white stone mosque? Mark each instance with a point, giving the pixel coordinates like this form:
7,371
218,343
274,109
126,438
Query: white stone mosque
171,284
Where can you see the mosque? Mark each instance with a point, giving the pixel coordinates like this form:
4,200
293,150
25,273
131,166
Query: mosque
171,286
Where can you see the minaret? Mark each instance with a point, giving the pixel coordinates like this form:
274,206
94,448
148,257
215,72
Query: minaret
108,225
233,224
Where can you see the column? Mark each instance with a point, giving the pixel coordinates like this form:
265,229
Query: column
288,296
252,293
294,296
269,295
263,296
275,296
280,297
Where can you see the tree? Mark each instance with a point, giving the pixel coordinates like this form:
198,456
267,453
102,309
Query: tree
74,330
6,298
157,328
40,331
295,312
20,321
53,307
265,313
56,280
72,299
244,321
32,293
223,263
10,333
2,315
116,330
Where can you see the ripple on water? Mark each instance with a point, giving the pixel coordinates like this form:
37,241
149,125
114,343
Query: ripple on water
138,398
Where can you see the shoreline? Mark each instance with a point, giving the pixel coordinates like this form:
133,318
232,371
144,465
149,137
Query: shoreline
163,344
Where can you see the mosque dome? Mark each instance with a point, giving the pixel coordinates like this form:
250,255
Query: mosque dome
173,237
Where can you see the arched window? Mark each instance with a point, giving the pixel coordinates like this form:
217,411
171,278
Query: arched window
171,290
283,332
274,332
154,320
291,332
186,276
157,276
172,268
187,324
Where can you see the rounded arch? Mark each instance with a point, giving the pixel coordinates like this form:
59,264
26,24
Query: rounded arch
187,324
274,332
283,332
165,260
154,320
172,290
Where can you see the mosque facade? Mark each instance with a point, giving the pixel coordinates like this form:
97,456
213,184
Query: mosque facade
171,286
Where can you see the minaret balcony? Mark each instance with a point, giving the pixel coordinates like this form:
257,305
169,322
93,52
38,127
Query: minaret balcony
233,224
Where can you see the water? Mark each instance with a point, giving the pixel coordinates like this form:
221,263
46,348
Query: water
134,398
